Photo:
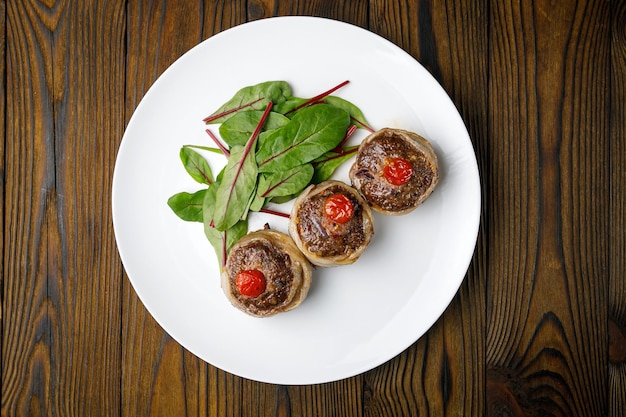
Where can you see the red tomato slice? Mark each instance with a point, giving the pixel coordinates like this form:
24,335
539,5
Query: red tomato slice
338,208
250,282
398,171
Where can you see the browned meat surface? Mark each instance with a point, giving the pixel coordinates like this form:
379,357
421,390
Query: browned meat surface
326,242
376,151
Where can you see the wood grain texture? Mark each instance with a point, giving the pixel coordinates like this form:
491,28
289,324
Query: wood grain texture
546,340
160,378
2,167
617,282
62,290
350,11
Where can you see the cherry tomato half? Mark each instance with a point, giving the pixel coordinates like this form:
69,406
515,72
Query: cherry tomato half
338,208
398,171
250,282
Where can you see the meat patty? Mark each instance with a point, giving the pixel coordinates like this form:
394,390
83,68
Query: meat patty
286,271
324,240
403,193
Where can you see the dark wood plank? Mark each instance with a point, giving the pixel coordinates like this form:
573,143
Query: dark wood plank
161,377
617,259
88,86
340,398
548,228
442,372
26,334
350,11
64,115
2,173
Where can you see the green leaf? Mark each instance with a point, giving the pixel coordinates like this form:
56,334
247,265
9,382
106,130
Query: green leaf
251,201
289,105
257,203
254,97
283,199
236,131
208,203
328,163
312,132
206,148
221,241
285,183
357,116
196,165
188,206
236,188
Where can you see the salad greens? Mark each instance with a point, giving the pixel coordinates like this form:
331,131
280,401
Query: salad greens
276,145
312,132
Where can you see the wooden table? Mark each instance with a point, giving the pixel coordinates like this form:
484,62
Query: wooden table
537,328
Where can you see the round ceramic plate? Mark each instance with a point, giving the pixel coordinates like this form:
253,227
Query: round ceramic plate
355,317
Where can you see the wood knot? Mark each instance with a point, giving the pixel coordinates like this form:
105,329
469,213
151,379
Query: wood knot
617,343
256,10
501,394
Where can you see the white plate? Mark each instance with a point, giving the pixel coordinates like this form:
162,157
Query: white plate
356,317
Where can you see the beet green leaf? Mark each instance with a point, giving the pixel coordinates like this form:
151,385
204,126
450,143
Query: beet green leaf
236,188
312,132
196,165
221,241
357,116
284,183
289,105
328,163
188,206
254,97
238,129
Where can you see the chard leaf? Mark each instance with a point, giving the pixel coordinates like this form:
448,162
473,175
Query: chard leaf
222,241
208,203
357,116
251,200
257,203
254,97
317,99
328,163
239,180
237,130
312,132
283,199
289,105
236,188
205,148
196,165
285,183
188,206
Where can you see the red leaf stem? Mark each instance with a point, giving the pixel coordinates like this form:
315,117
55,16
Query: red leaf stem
218,142
318,97
275,213
269,190
209,119
365,125
249,147
339,154
258,128
351,130
224,249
